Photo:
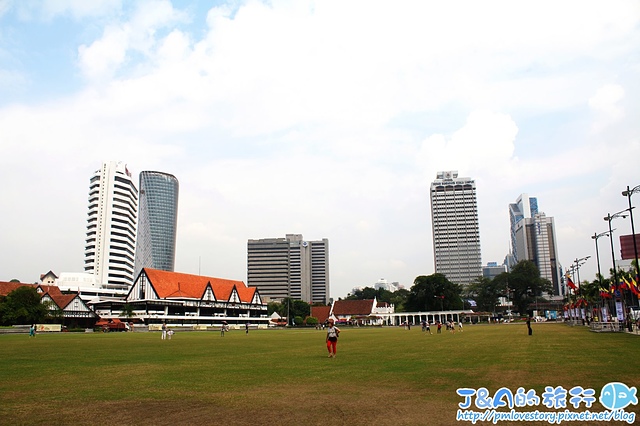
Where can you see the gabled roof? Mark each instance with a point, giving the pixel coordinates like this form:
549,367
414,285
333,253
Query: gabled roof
60,299
321,312
6,288
50,273
352,307
176,285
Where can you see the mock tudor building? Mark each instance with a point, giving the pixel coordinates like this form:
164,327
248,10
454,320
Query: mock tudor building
184,299
69,308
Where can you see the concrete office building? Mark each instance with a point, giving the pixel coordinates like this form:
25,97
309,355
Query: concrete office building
536,241
456,233
157,221
492,270
524,207
289,267
111,225
533,237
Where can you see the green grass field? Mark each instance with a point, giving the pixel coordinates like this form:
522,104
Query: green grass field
381,376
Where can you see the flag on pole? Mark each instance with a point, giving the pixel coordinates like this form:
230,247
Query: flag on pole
633,286
570,283
604,293
624,284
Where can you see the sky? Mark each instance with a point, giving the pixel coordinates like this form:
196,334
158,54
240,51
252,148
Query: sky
327,118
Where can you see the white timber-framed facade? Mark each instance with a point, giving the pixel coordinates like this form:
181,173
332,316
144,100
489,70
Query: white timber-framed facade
188,300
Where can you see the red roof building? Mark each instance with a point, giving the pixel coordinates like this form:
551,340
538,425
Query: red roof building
71,307
163,296
321,313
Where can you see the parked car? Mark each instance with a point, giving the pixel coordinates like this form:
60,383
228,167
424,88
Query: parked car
112,324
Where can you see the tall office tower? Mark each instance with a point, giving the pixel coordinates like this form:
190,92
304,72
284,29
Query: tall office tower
157,221
524,207
111,225
289,267
456,233
535,240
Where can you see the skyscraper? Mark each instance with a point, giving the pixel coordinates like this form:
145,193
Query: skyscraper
524,207
157,221
533,237
456,233
111,225
289,267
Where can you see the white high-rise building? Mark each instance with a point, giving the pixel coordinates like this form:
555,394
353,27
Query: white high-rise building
456,232
111,225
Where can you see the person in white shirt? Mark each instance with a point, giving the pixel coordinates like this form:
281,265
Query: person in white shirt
332,338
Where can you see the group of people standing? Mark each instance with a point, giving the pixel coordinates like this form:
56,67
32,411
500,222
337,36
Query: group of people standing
450,326
166,333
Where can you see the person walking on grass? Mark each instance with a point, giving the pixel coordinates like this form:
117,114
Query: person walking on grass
32,331
427,327
164,331
332,338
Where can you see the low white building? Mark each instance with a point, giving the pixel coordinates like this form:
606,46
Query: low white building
88,287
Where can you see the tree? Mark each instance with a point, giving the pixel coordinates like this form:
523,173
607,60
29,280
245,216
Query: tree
526,284
486,292
277,307
398,298
433,293
22,306
290,308
127,311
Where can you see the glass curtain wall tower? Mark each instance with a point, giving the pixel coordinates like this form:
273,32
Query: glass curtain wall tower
111,226
456,232
157,221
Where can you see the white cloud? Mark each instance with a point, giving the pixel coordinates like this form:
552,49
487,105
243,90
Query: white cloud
485,144
104,56
330,119
606,105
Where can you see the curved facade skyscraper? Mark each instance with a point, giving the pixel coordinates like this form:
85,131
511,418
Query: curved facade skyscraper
109,250
157,221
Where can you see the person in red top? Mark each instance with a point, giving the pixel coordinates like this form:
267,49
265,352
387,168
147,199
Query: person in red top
332,338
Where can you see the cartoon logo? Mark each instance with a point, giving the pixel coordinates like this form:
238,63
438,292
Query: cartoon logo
616,396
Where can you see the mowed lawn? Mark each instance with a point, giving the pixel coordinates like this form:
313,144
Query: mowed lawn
381,376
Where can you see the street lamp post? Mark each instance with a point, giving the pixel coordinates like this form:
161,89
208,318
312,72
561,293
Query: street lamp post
576,267
579,263
595,237
609,218
628,193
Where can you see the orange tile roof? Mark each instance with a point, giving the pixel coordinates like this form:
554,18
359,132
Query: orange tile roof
246,293
176,285
352,307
